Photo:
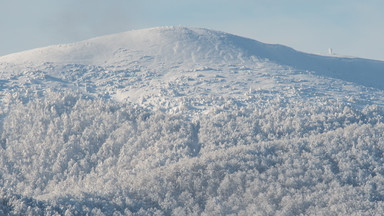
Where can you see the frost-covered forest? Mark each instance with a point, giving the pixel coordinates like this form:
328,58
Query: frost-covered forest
188,121
69,154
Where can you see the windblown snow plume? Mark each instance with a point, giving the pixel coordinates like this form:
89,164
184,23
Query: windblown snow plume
184,121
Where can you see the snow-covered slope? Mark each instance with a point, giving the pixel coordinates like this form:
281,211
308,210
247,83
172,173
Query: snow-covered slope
193,46
189,121
158,64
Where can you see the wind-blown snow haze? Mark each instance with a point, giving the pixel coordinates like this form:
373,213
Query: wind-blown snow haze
189,121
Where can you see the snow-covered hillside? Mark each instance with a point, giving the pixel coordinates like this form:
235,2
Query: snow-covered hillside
189,121
163,65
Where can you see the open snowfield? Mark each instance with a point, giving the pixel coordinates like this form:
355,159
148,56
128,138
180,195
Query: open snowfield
189,121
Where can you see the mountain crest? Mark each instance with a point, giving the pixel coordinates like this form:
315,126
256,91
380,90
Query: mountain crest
191,48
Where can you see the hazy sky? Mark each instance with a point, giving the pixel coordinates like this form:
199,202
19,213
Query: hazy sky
350,27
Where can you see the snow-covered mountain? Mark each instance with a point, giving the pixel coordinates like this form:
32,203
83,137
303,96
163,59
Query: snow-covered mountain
161,63
189,121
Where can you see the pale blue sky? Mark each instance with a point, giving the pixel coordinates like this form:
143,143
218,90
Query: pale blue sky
350,27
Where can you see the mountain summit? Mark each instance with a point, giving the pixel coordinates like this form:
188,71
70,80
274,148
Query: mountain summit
171,44
157,64
196,46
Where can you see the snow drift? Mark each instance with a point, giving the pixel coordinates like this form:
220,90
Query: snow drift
187,121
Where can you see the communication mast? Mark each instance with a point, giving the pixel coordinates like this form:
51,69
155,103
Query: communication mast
330,51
